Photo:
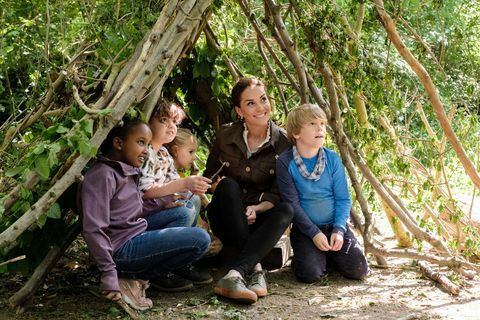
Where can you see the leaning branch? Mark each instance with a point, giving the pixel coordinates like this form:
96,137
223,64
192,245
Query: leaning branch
431,90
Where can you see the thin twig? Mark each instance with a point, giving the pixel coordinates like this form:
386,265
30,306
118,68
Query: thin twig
13,260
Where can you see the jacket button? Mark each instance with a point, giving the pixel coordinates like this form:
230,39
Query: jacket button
227,164
247,169
276,156
244,190
272,171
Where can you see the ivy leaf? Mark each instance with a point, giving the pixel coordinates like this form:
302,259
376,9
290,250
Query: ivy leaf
52,154
54,212
85,148
14,171
41,220
42,167
87,126
39,149
104,112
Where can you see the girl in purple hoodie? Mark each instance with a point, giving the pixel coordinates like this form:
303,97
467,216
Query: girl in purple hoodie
127,249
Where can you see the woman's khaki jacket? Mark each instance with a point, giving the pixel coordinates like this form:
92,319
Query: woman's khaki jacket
255,175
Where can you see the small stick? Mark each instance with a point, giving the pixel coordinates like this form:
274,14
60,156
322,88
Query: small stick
128,310
13,260
440,278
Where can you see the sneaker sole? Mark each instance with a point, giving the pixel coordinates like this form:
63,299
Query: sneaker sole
261,293
176,289
133,305
242,297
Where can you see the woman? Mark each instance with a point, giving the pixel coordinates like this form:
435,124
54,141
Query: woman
245,210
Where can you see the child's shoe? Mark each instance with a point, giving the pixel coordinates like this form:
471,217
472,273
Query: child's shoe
133,293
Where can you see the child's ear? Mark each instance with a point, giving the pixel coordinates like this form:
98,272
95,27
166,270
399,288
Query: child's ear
174,150
117,143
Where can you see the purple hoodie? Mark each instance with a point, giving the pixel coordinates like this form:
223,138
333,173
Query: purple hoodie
111,210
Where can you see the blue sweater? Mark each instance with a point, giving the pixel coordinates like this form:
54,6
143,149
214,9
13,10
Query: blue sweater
316,203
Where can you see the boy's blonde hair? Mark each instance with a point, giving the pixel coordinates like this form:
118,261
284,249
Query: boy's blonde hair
182,138
300,116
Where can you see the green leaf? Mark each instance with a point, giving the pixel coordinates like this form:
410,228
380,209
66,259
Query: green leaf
87,126
61,129
42,167
14,171
39,149
85,148
41,220
52,154
54,212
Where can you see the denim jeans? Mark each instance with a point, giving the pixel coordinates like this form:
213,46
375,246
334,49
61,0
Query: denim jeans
185,215
155,252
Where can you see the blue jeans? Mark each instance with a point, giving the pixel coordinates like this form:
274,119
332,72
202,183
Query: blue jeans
163,247
185,215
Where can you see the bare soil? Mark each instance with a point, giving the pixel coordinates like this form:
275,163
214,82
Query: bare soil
399,292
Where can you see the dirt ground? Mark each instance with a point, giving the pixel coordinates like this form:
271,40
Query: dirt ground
400,292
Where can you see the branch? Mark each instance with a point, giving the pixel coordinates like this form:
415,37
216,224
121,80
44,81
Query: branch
294,57
430,88
440,278
32,117
274,76
251,17
13,260
82,104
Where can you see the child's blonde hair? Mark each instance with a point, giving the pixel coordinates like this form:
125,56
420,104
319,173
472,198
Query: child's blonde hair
181,139
300,116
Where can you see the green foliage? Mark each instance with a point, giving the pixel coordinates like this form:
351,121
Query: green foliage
30,61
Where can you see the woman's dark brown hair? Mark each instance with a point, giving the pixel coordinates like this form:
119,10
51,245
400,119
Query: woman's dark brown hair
240,86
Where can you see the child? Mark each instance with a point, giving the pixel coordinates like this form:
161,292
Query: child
121,241
312,179
166,192
183,150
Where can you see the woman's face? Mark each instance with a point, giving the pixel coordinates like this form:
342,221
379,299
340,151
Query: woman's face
185,154
254,106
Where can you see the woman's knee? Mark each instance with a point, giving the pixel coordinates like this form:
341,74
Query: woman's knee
227,187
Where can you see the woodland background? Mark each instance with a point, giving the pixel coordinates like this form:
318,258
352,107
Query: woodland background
398,80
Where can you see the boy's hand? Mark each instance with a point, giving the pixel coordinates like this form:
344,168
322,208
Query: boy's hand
321,242
198,184
336,241
112,295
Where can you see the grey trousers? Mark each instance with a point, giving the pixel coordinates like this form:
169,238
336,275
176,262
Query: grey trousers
310,263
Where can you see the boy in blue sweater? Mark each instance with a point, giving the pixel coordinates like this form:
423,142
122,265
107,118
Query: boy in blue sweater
312,179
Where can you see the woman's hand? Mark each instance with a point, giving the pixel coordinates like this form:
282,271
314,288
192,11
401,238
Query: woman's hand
251,214
321,242
336,241
112,295
197,184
